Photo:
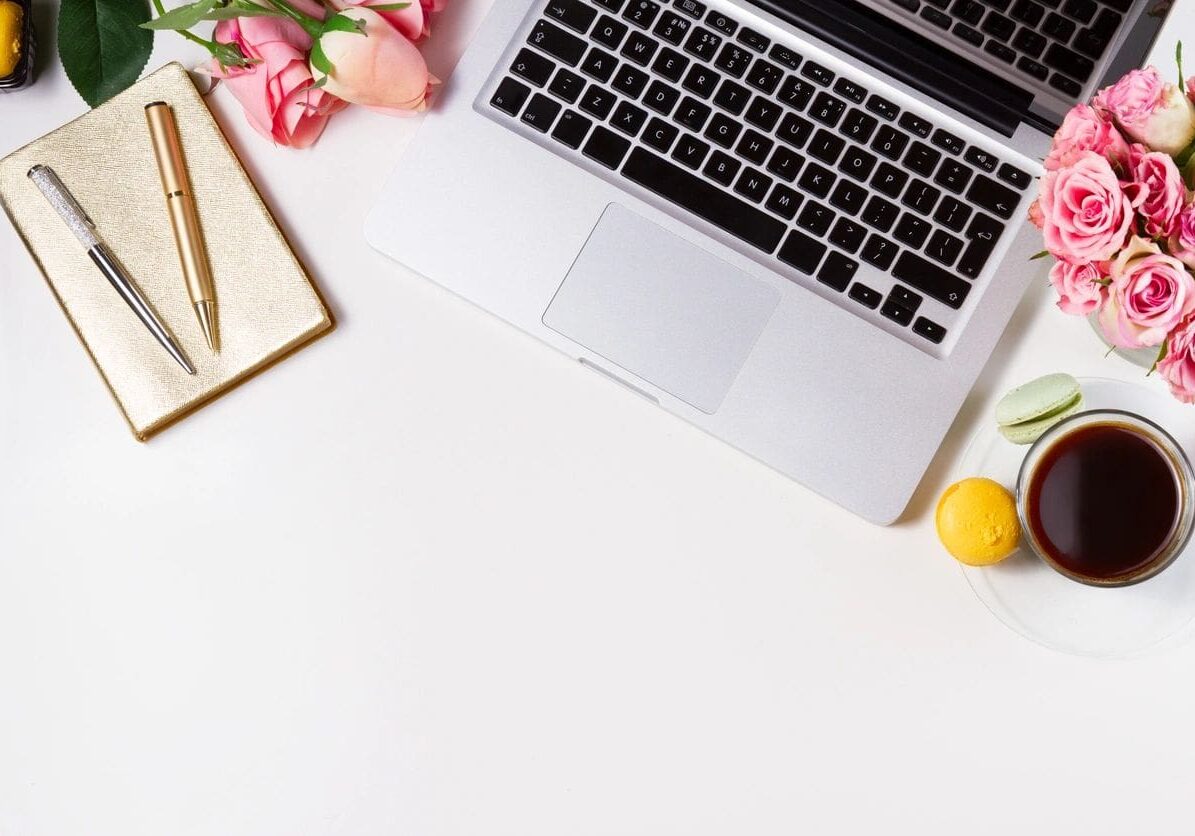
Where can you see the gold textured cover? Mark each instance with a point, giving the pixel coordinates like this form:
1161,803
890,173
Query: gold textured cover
266,303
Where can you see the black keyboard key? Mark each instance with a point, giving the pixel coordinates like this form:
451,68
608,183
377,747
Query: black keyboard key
639,48
661,98
556,42
930,279
1067,85
953,176
890,143
612,5
879,252
880,214
1004,53
597,101
673,28
794,130
826,146
599,64
817,180
848,89
509,96
607,147
889,180
1069,62
690,151
733,60
532,66
883,108
992,196
911,231
937,18
1058,27
838,271
943,247
629,81
857,163
566,85
922,159
948,142
753,39
703,199
969,11
1028,12
609,32
982,235
858,126
540,112
981,159
929,329
796,93
721,22
952,214
1012,174
628,119
998,26
762,113
701,80
815,218
847,235
785,163
784,201
827,109
571,129
897,313
921,127
764,75
753,184
1106,23
703,43
754,147
802,252
1082,10
732,97
966,33
692,113
693,8
642,13
1029,43
1030,67
722,168
572,13
723,130
785,57
904,298
848,197
816,72
660,135
865,296
670,64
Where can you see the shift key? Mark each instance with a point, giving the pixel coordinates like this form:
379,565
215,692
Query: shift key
556,42
931,280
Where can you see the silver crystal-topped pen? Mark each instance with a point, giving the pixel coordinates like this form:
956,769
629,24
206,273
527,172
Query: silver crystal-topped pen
83,227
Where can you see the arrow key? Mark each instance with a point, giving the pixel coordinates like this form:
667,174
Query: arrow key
532,66
992,196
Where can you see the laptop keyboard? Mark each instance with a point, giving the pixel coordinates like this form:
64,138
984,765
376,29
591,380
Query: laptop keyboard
1055,42
803,164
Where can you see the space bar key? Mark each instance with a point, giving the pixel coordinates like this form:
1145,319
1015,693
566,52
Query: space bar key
672,182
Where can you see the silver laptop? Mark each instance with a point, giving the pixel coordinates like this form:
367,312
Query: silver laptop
797,224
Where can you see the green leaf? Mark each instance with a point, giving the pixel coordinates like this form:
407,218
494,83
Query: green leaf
1178,58
1161,357
229,55
184,17
320,61
235,11
102,44
1041,254
387,7
341,23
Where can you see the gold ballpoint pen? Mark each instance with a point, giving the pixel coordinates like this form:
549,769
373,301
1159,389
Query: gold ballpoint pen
184,219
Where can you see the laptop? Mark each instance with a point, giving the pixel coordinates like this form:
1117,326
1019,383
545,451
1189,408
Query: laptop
797,224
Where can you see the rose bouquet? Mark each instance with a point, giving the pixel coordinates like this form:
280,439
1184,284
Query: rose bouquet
1117,212
292,64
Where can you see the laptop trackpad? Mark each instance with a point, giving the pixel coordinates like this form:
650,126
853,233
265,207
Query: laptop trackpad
662,308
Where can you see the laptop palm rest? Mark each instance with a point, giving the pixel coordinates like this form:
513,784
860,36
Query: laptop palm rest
662,308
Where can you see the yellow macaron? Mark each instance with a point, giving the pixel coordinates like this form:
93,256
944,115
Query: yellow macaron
977,522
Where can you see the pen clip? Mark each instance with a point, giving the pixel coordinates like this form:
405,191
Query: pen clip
52,176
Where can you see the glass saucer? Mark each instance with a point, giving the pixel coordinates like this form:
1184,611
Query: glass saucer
1052,610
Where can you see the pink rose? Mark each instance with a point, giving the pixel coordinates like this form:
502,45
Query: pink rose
1177,368
1163,192
1080,287
276,93
376,67
1086,129
1150,110
414,21
1035,216
1086,215
1182,242
1151,293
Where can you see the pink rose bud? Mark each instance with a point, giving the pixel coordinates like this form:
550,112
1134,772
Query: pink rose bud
1151,294
1086,129
1086,216
275,93
1177,368
1151,111
1162,191
376,67
1182,242
1081,287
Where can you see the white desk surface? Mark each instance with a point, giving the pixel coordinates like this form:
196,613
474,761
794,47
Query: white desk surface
437,580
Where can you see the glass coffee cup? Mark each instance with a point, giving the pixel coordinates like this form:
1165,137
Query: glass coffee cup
1104,498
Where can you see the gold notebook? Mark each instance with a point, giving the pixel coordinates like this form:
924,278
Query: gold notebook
267,305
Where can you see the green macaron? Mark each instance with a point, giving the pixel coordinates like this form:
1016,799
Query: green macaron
1026,412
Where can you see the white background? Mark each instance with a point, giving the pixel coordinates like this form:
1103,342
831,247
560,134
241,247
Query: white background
428,577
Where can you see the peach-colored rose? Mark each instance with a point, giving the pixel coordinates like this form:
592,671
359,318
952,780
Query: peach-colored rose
1182,242
1177,368
376,67
276,93
1035,216
1162,191
414,21
1150,110
1086,216
1150,295
1081,287
1086,129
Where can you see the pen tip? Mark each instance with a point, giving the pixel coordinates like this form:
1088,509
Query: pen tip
206,312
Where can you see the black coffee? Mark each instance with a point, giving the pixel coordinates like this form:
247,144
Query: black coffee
1104,502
